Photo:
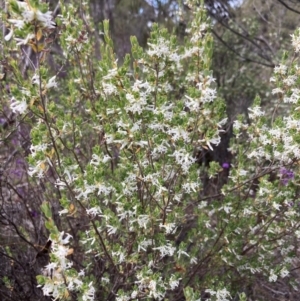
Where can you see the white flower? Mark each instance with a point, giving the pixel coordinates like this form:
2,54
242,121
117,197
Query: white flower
136,105
179,252
256,112
290,80
177,133
36,80
64,211
51,83
192,104
272,277
143,245
48,288
296,42
185,160
237,125
109,89
45,19
38,169
173,283
26,40
169,227
37,148
243,172
28,15
18,106
89,294
18,23
166,250
161,49
50,267
276,206
189,187
193,260
143,221
9,35
111,230
281,69
65,240
208,94
277,91
221,295
214,140
94,211
134,294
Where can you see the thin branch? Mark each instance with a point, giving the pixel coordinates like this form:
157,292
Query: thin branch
247,59
288,7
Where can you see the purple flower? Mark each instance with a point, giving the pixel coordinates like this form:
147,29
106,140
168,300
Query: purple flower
17,172
14,141
34,213
286,175
226,165
20,161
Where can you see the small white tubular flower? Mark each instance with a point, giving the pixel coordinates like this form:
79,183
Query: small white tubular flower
9,35
49,288
296,42
64,211
135,105
28,15
281,69
166,250
290,80
255,112
18,106
94,211
17,23
185,160
161,49
173,282
192,104
272,277
34,149
284,272
37,170
51,83
35,80
26,40
214,140
50,267
89,294
222,122
111,230
143,221
109,89
220,295
277,91
65,240
169,227
177,133
45,19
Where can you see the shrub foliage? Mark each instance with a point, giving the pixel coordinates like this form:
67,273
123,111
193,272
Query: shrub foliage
106,189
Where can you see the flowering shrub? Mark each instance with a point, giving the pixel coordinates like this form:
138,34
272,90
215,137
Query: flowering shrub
115,144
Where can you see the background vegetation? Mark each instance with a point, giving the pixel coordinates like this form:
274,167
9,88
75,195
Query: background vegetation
225,238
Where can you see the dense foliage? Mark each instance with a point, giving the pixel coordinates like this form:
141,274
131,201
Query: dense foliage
109,167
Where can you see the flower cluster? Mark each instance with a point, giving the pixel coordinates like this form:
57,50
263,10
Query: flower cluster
286,175
27,20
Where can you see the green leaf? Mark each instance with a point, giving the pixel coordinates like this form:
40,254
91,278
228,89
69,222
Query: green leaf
46,210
